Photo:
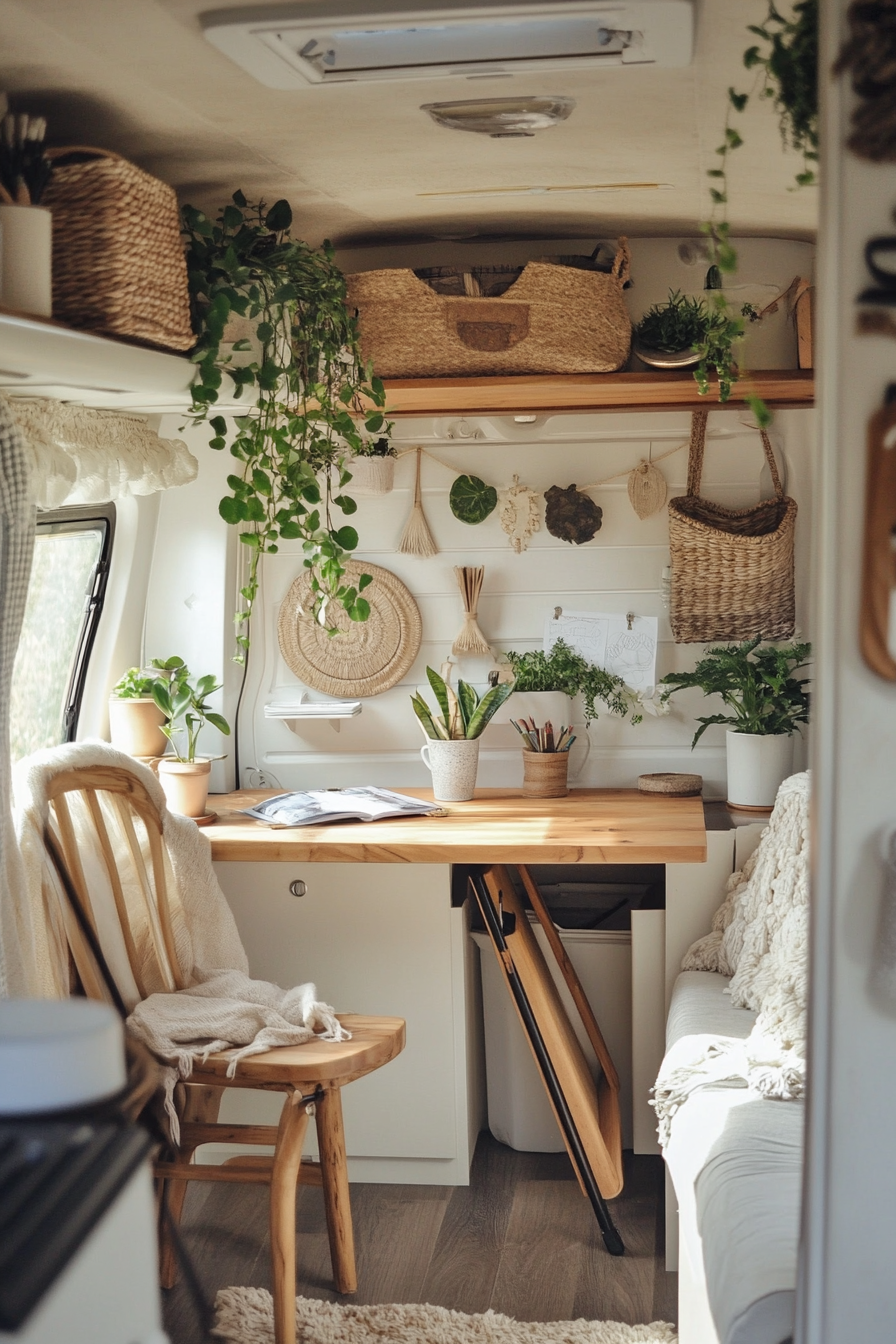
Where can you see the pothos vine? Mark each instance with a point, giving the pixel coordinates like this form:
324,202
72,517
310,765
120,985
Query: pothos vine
786,69
314,400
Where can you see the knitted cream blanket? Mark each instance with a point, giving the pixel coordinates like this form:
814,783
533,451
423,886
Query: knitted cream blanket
221,1008
760,937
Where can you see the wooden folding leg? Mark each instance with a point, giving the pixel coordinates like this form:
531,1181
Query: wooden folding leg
202,1104
284,1180
334,1178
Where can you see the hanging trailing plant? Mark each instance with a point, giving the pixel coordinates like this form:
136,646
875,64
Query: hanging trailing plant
305,385
786,66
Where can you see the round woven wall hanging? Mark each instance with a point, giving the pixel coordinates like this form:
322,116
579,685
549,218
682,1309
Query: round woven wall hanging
366,657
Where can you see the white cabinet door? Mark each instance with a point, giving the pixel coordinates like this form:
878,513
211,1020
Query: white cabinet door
374,938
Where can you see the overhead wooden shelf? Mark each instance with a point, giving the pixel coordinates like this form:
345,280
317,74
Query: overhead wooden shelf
587,392
41,358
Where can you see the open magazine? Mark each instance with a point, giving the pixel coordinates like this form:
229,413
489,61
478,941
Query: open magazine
318,807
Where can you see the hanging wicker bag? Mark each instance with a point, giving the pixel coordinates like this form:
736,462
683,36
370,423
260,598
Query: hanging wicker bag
553,319
118,261
732,569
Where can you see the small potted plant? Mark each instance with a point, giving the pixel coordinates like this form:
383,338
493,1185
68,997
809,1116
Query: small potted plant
765,704
184,704
135,720
372,468
452,752
685,332
566,673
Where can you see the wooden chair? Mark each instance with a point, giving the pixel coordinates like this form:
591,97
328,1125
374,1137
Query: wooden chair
124,915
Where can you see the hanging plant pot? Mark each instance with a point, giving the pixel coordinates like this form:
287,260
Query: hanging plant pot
371,475
472,500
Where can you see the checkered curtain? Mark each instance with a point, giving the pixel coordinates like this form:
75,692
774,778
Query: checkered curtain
17,525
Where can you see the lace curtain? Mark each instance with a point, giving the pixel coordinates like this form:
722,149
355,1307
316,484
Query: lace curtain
81,456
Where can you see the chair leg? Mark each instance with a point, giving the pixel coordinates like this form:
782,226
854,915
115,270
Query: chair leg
284,1179
202,1104
334,1177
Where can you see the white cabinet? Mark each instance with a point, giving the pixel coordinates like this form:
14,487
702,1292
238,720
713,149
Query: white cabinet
375,938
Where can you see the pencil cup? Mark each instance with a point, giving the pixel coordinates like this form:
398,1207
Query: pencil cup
545,774
453,766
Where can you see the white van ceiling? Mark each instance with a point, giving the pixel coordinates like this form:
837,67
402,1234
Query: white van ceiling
362,162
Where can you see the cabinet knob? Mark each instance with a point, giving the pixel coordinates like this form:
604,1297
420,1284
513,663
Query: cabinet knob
297,888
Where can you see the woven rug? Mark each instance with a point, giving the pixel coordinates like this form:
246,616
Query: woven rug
245,1316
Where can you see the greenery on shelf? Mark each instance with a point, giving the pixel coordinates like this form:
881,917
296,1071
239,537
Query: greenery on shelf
463,715
185,704
687,322
136,684
304,377
381,447
673,326
562,669
757,684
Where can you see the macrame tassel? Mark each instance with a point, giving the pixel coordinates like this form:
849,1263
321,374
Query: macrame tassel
416,539
471,638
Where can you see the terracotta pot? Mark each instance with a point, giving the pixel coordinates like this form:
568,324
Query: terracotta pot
545,774
135,726
186,785
757,765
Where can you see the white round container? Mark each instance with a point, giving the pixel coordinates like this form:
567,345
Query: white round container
26,259
56,1054
453,766
757,766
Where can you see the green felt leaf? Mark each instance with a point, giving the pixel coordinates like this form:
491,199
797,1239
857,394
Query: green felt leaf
472,500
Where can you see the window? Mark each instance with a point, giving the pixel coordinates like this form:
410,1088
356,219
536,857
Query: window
65,597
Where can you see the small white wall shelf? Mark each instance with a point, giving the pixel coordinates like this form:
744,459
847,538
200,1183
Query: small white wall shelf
304,711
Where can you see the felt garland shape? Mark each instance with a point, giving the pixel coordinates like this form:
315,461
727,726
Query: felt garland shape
416,539
646,489
571,516
471,639
520,514
472,500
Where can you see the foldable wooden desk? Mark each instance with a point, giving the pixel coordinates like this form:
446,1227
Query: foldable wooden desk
376,930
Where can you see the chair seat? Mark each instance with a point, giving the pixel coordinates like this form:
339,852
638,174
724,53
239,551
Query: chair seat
374,1041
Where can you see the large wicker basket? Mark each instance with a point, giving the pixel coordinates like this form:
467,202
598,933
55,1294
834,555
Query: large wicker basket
732,569
118,261
553,319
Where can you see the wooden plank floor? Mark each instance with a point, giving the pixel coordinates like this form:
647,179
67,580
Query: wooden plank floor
519,1239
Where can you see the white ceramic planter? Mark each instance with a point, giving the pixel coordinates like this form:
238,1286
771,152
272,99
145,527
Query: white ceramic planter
186,785
26,259
757,765
135,726
453,766
371,475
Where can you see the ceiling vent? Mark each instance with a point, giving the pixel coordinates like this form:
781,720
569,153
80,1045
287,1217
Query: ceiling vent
296,46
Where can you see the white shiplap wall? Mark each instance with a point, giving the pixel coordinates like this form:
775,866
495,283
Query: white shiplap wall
620,570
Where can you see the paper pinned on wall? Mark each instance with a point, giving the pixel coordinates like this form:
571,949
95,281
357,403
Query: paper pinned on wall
625,645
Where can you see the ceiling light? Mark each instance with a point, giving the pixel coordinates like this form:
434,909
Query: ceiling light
501,118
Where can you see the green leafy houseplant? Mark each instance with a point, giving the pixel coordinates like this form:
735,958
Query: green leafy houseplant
688,323
184,704
757,685
309,386
562,669
674,326
464,715
134,685
381,447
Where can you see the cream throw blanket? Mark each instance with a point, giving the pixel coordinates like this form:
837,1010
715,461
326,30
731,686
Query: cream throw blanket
221,1008
760,937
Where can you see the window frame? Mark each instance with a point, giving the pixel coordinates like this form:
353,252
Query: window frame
77,519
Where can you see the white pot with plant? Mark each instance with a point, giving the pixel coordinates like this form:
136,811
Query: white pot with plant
765,705
135,720
372,468
184,704
451,752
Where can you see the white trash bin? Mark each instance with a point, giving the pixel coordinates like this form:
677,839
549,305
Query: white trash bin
519,1113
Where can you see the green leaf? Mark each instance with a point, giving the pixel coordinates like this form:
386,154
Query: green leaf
738,100
364,581
231,217
440,691
472,500
468,700
488,705
346,504
360,610
279,218
430,727
219,722
232,510
347,538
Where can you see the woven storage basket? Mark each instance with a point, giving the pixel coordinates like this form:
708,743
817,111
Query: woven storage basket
553,319
118,261
732,569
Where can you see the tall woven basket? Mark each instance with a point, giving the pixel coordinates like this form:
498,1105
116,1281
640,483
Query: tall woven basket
732,569
118,261
553,319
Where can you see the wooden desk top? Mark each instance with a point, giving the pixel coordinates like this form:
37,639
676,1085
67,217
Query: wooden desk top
498,826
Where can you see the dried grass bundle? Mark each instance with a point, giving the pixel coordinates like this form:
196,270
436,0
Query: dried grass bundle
471,638
416,539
